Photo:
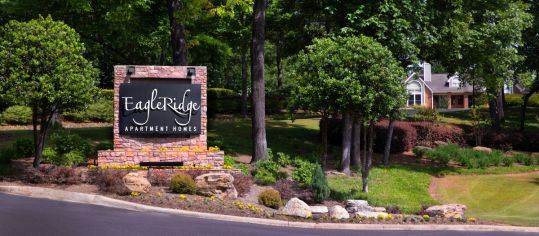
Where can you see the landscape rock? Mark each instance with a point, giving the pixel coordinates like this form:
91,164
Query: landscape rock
358,205
334,173
296,207
319,209
379,209
338,212
135,182
482,149
220,185
440,143
446,210
370,214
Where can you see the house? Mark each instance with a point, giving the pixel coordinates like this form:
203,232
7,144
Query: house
441,91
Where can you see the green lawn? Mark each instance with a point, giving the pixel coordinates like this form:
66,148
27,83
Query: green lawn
404,186
508,199
512,117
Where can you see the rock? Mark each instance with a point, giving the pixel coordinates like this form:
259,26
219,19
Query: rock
482,149
334,173
446,210
319,209
358,205
338,212
135,182
440,143
296,207
220,185
379,209
370,214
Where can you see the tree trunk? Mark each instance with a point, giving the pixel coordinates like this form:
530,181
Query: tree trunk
37,158
257,81
501,106
346,142
387,148
324,137
178,39
368,161
244,100
493,109
526,98
279,68
356,143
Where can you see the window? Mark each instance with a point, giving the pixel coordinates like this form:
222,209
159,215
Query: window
414,93
454,82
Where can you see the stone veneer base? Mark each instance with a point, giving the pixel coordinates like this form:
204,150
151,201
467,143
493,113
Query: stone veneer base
121,157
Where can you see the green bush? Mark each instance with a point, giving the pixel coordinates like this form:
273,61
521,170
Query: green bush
420,151
105,94
69,159
524,159
104,145
100,111
270,198
320,187
182,183
507,161
267,172
425,114
304,172
64,142
17,115
516,100
7,154
282,159
243,168
24,147
50,155
221,100
229,160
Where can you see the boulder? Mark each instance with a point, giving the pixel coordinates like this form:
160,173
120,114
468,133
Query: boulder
220,185
370,214
446,210
338,212
440,143
136,182
358,205
296,207
379,209
482,149
319,209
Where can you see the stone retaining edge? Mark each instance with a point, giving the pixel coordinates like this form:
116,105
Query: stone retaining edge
61,195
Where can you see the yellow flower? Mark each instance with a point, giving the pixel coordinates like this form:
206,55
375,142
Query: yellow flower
471,219
182,197
135,194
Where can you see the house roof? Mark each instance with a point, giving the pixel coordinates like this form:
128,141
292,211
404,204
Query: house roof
440,84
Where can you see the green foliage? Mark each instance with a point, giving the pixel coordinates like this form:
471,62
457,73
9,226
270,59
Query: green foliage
426,114
267,172
243,168
419,151
228,160
217,93
320,187
104,145
508,161
468,157
67,159
225,101
50,155
282,159
64,142
6,154
100,111
270,198
24,147
304,172
524,159
17,115
516,100
182,183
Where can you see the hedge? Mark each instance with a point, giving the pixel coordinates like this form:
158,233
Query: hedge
226,101
17,115
516,100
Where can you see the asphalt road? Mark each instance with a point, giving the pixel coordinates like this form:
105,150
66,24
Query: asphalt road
36,217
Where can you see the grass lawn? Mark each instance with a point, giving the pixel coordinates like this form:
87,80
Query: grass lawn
512,117
404,186
512,199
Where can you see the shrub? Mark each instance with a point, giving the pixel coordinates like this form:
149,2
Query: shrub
50,155
524,159
420,151
221,100
182,183
304,172
242,183
270,198
243,168
110,180
7,154
104,145
267,172
228,160
426,114
158,178
24,147
100,111
17,115
282,159
507,161
60,175
64,142
286,188
320,187
404,136
516,100
195,172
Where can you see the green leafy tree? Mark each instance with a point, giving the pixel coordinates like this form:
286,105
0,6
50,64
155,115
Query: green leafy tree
355,76
43,68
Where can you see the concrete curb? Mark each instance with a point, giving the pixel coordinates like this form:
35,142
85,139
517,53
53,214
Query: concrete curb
54,194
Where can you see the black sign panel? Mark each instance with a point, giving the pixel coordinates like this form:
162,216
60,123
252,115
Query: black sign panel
160,108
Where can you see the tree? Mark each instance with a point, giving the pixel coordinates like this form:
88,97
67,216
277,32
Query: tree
43,68
257,81
530,49
479,41
355,76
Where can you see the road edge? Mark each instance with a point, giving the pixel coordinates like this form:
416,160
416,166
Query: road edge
93,199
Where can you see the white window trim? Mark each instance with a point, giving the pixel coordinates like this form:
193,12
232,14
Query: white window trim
421,93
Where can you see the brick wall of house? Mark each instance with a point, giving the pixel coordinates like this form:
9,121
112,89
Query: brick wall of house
130,149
